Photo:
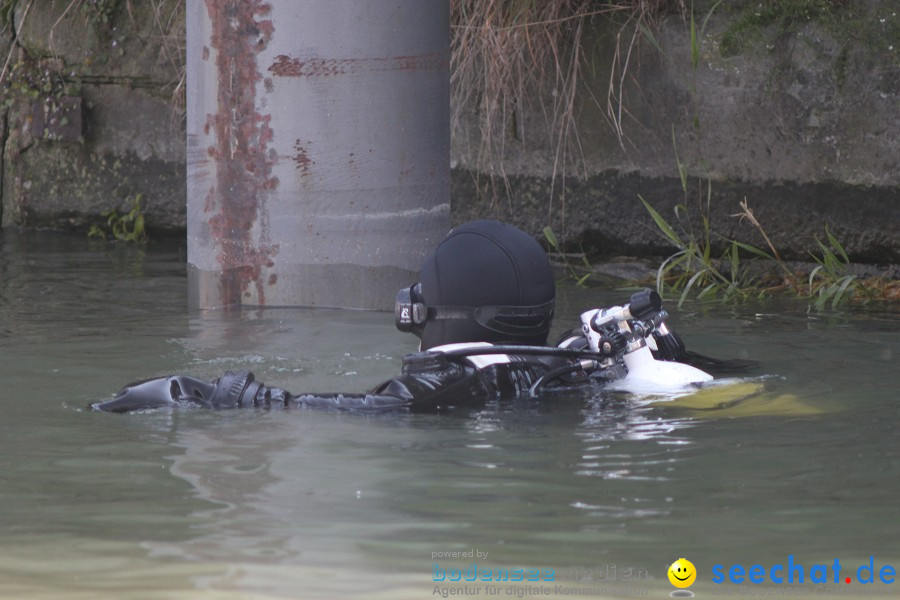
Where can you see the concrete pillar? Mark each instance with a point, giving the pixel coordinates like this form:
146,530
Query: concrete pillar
318,149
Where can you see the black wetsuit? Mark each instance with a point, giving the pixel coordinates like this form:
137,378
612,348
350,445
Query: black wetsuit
428,382
437,380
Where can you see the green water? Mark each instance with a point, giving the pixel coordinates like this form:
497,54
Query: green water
601,488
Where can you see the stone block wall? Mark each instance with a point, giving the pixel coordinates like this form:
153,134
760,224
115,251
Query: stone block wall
802,124
92,116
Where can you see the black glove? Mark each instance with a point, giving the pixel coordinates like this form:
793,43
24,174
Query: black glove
232,390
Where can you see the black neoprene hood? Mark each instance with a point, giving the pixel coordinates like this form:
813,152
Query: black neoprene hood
497,275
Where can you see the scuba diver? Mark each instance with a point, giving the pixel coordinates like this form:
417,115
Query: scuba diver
482,308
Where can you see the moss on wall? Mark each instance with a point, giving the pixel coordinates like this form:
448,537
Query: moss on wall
791,103
92,103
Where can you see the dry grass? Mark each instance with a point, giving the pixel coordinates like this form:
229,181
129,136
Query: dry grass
508,58
169,18
12,47
511,57
168,32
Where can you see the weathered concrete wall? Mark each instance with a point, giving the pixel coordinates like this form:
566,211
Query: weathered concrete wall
91,122
804,125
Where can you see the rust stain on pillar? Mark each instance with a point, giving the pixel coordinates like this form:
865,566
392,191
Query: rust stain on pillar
287,66
237,201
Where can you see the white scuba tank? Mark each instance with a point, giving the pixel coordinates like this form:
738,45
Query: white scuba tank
647,372
646,375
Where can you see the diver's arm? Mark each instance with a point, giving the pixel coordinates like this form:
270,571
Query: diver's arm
354,402
232,390
421,389
236,390
229,392
430,385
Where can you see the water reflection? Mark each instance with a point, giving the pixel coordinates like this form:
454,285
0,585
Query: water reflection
42,279
253,503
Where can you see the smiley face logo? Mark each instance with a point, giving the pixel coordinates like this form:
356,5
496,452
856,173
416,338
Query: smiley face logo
682,573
